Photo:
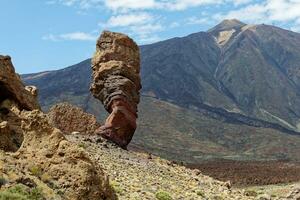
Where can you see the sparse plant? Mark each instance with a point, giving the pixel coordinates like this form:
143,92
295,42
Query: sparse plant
250,193
82,145
45,178
200,193
217,198
116,187
3,181
21,192
273,195
162,195
36,171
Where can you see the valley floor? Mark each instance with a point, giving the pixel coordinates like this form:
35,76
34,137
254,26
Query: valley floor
143,176
247,173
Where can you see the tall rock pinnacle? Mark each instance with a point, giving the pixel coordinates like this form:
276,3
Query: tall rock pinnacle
116,83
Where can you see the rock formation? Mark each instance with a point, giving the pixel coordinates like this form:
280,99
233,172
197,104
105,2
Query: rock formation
69,119
13,95
11,86
116,83
42,156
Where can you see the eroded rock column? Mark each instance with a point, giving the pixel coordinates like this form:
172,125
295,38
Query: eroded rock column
116,83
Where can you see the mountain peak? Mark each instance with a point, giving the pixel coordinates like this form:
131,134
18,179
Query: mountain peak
227,24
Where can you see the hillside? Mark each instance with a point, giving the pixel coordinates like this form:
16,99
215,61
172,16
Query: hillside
225,93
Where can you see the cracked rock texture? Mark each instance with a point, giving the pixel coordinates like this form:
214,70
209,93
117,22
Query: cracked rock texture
116,68
69,118
39,153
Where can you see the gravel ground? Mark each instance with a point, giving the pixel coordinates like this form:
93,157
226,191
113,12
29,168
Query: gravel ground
143,176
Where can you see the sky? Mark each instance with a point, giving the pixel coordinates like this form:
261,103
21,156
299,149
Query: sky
43,35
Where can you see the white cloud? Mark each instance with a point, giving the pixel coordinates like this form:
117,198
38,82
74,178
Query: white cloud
240,2
268,11
184,4
82,4
174,25
129,19
79,36
253,13
130,4
127,5
139,18
196,20
141,25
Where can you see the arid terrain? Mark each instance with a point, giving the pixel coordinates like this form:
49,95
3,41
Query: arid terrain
252,172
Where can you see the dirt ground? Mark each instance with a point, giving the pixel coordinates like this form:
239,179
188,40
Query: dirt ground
252,173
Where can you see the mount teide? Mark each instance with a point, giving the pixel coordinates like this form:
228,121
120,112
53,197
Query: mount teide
231,92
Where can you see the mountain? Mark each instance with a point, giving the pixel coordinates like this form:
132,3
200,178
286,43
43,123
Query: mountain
230,92
252,70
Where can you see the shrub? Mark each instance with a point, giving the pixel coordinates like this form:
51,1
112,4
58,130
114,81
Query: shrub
36,171
21,192
2,181
82,145
250,193
162,195
200,193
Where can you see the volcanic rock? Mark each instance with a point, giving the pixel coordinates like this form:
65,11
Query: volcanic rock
116,83
69,118
11,86
42,156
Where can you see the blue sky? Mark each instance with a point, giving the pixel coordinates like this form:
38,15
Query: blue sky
52,34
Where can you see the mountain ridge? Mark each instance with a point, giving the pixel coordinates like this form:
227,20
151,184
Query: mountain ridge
244,82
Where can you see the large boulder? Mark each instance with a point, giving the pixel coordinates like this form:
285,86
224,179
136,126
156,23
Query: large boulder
69,118
116,83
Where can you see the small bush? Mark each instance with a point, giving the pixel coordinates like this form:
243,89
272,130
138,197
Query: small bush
82,145
116,187
250,193
218,198
3,181
200,193
36,171
45,178
21,192
162,195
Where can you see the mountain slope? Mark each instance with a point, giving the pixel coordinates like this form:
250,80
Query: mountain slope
247,69
231,92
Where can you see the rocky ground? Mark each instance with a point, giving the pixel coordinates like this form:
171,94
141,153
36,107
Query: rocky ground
246,173
143,176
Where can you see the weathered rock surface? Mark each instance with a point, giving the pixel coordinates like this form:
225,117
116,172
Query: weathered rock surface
42,156
11,86
116,83
294,194
69,118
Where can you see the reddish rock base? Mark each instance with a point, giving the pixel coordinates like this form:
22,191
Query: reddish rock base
120,125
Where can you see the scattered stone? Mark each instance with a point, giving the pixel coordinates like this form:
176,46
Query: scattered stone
294,194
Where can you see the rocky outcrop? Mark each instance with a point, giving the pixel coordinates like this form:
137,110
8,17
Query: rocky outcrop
42,156
116,83
69,119
67,166
11,86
